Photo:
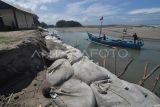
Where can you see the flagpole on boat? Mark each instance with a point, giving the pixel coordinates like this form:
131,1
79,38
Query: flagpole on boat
101,19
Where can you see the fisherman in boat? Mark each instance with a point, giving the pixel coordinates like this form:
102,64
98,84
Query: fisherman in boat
135,37
125,31
104,37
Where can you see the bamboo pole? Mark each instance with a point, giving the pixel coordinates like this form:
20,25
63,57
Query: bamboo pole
104,62
126,67
144,75
157,79
153,71
141,82
146,69
115,64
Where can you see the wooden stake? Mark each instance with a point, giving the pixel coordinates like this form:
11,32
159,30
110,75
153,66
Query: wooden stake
141,82
157,79
152,72
104,62
115,59
146,69
126,67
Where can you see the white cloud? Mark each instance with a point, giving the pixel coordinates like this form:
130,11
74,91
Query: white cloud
100,10
77,7
74,9
145,11
34,1
32,4
52,18
91,8
80,11
46,1
43,7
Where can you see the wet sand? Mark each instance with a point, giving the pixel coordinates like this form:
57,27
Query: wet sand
142,32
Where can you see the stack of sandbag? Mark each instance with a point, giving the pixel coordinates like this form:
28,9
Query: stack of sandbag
78,82
88,72
54,39
56,54
73,93
125,94
59,72
53,43
59,50
73,54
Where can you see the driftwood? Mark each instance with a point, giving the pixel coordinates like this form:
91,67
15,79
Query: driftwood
126,67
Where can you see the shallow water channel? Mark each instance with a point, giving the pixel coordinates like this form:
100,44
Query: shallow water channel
105,56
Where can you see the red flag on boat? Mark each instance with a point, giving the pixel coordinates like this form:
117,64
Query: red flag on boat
101,18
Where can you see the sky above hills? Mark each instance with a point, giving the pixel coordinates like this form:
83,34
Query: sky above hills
88,12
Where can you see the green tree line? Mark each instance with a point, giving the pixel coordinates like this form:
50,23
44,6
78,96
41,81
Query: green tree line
63,23
60,23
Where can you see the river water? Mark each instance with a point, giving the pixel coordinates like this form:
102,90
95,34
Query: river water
105,56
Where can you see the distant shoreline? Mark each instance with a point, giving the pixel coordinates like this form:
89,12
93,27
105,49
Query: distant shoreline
146,33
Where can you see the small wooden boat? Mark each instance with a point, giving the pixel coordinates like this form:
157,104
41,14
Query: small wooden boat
113,42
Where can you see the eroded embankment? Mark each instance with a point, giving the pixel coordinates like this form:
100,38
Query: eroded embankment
21,58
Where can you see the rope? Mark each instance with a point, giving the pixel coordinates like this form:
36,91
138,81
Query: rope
109,88
56,102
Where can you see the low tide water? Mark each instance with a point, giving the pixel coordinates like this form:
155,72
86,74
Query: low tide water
105,56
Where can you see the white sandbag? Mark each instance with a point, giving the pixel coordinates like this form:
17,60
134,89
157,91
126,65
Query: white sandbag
88,72
68,47
60,71
73,93
149,95
123,95
50,37
53,39
56,54
54,44
73,54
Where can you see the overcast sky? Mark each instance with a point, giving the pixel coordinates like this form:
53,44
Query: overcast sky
88,12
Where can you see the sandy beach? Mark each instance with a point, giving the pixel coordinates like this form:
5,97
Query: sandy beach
146,33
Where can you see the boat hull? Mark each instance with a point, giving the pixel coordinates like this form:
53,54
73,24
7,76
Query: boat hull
119,43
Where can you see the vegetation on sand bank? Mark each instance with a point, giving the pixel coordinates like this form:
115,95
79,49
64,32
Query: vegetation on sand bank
63,23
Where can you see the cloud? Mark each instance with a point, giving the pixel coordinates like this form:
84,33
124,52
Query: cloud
43,7
82,11
145,11
74,9
34,1
100,10
32,4
52,18
91,8
77,7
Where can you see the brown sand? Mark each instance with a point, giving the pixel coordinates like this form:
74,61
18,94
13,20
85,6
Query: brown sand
24,90
142,32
